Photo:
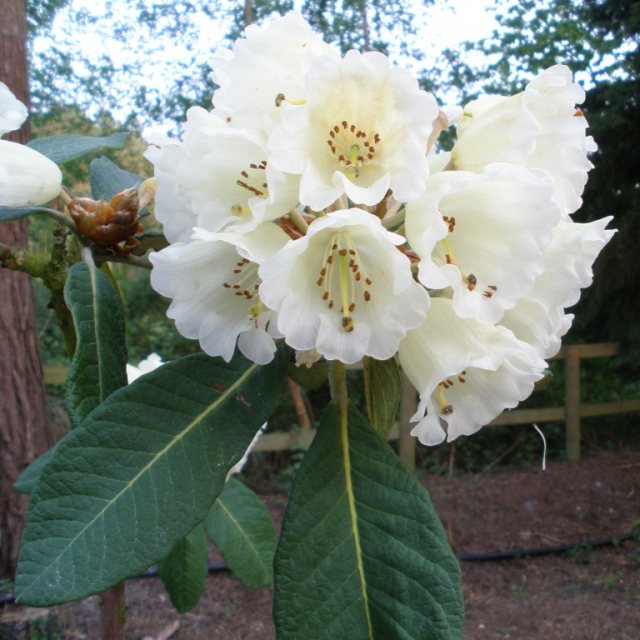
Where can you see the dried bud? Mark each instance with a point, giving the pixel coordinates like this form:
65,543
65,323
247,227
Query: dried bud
109,224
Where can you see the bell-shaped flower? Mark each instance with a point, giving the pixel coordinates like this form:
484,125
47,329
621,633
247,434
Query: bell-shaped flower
226,176
484,235
265,68
467,372
344,288
538,128
12,112
538,318
213,281
362,130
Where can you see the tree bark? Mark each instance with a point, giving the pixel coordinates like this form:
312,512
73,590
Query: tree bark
24,425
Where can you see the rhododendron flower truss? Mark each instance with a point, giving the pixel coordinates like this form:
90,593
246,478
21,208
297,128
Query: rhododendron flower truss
344,289
362,130
326,215
214,283
467,372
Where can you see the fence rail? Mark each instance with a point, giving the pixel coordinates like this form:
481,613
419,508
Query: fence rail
571,413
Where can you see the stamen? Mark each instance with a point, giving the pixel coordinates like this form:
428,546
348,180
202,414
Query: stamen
445,408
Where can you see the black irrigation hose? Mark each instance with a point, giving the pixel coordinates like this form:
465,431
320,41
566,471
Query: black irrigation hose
220,567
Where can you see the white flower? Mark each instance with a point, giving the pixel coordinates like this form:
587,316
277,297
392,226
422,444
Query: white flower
467,372
26,176
539,317
362,130
269,64
483,235
150,363
226,178
214,283
12,112
344,289
539,128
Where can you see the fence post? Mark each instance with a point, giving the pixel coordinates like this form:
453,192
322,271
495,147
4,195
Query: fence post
572,401
407,409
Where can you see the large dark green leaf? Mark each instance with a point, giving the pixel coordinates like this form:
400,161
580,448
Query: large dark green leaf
99,363
69,147
362,553
243,530
107,178
28,479
184,570
140,473
382,392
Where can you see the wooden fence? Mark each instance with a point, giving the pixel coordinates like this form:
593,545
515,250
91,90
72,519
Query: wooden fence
571,413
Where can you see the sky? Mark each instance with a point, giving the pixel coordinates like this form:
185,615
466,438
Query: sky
444,25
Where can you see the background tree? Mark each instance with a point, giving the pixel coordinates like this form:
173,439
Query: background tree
24,429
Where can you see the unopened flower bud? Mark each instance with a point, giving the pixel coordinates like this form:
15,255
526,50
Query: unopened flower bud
26,176
109,224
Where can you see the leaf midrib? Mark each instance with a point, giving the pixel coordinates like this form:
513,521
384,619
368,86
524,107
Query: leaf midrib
353,514
201,416
240,529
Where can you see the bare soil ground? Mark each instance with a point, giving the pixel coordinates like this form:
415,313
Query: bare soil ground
589,594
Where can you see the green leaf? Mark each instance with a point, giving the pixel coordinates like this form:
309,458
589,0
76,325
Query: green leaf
243,530
107,178
29,478
98,367
184,570
69,147
362,554
382,386
139,473
16,213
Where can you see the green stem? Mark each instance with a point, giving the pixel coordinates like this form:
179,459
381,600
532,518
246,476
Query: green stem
338,386
298,220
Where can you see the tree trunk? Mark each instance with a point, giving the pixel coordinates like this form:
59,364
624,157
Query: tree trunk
24,426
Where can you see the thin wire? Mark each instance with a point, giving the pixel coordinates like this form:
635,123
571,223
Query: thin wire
544,447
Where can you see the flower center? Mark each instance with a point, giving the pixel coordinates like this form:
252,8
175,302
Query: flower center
246,283
343,277
352,147
253,181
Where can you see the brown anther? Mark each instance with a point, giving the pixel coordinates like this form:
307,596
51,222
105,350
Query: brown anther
347,324
358,276
352,307
325,295
342,252
319,281
367,280
376,138
330,304
366,295
461,378
492,287
344,124
279,99
487,294
447,410
244,173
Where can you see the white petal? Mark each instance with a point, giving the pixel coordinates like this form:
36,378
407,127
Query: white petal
12,112
26,176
